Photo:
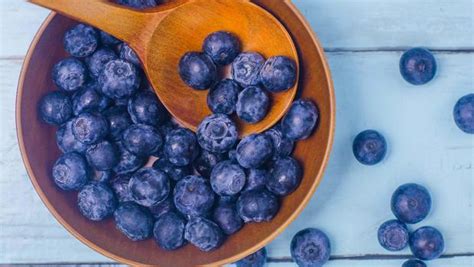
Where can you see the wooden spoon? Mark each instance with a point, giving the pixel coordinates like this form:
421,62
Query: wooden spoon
162,35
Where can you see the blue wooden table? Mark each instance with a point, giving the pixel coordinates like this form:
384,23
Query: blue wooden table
363,40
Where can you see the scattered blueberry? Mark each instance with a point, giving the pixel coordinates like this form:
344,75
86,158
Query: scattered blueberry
278,74
226,216
119,120
246,68
90,128
197,70
285,176
133,221
142,140
138,4
103,155
217,133
414,263
222,47
66,141
144,107
257,259
127,54
299,122
222,97
193,196
81,40
71,172
254,150
108,40
206,160
181,147
169,231
310,247
252,104
120,187
203,233
119,79
282,146
149,186
411,203
227,178
418,66
69,74
174,172
427,243
55,108
393,235
96,201
97,61
162,207
369,147
257,206
88,99
464,113
256,179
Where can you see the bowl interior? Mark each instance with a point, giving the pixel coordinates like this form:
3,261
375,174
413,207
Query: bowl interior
39,151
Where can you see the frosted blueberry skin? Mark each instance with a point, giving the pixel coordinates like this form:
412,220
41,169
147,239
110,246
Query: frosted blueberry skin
232,155
119,185
181,147
278,74
252,104
81,40
369,147
144,107
226,216
133,221
256,179
138,4
169,231
254,150
463,113
257,259
97,61
102,176
427,243
418,66
414,263
246,68
222,97
103,156
197,70
174,172
108,40
149,186
70,171
96,201
69,74
310,248
119,120
162,207
257,206
119,79
204,234
217,133
66,141
393,235
282,146
193,196
411,203
300,120
142,140
55,108
88,99
227,178
128,162
285,176
206,160
222,47
90,128
126,53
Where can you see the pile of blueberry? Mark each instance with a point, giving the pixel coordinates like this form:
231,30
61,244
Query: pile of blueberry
243,94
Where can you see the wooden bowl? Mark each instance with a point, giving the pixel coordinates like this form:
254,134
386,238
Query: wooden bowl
39,151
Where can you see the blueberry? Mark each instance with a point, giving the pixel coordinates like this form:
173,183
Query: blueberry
138,4
120,187
226,216
108,40
70,171
181,147
310,248
162,207
257,206
256,179
119,120
197,70
222,47
133,221
464,113
69,74
285,176
121,102
119,79
103,155
300,120
278,74
66,141
411,203
369,147
55,108
427,243
257,259
169,231
217,133
96,201
90,128
393,235
102,176
227,178
167,127
254,150
232,155
193,196
89,99
246,68
282,146
128,162
252,104
206,161
97,61
222,97
174,172
204,234
414,263
127,54
418,66
144,107
142,140
81,40
149,186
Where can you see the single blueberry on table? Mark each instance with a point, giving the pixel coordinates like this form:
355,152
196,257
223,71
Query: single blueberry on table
128,162
193,196
169,231
427,243
257,259
181,147
246,67
55,108
227,178
118,119
300,120
69,74
206,160
285,176
142,140
369,147
222,97
282,146
257,206
254,150
162,207
103,156
252,104
222,47
88,99
81,40
174,172
90,128
197,70
310,248
418,66
144,107
119,185
411,203
393,235
71,172
133,221
278,74
102,176
127,54
119,79
256,179
204,234
66,140
97,61
108,40
96,201
138,4
414,263
149,186
464,113
217,133
226,216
